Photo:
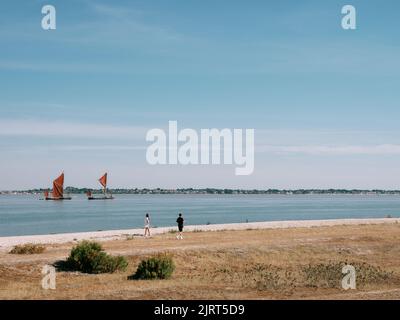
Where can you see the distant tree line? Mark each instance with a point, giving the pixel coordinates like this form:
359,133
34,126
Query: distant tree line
73,190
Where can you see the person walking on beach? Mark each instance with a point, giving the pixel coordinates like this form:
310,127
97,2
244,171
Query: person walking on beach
180,221
147,225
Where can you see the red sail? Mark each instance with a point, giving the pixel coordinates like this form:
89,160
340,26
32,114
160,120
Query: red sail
103,180
58,187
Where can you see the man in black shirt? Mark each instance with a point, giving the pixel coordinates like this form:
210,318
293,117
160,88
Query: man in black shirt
180,221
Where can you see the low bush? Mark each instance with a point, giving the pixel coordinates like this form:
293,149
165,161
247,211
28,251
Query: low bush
28,249
158,267
89,257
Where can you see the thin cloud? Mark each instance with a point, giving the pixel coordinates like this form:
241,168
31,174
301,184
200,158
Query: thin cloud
66,129
127,18
100,148
383,149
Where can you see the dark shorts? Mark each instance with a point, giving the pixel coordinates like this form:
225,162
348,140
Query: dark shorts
180,228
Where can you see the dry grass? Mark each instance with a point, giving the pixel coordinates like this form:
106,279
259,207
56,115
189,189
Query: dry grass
303,263
28,249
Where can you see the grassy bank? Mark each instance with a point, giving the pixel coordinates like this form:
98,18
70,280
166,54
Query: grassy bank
293,263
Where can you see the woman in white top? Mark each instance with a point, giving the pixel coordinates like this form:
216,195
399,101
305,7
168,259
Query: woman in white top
147,225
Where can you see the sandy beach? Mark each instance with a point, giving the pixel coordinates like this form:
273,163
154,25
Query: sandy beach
7,242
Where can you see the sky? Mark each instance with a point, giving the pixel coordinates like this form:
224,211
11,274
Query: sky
324,101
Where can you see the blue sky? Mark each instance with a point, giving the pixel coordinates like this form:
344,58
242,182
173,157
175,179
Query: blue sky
324,101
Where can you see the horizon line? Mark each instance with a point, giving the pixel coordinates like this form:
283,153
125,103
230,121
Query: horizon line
214,189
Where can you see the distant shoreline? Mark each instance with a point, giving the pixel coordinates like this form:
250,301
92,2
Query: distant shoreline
73,190
7,242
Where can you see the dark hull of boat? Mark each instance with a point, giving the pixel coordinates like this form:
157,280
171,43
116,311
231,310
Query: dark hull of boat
100,198
58,199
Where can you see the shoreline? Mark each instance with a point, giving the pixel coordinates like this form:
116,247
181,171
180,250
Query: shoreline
10,241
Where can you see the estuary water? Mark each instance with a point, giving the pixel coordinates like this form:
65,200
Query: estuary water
27,215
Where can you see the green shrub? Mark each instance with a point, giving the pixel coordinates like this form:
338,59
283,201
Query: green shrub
28,249
89,257
159,267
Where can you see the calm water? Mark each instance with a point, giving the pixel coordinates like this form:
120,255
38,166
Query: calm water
26,215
